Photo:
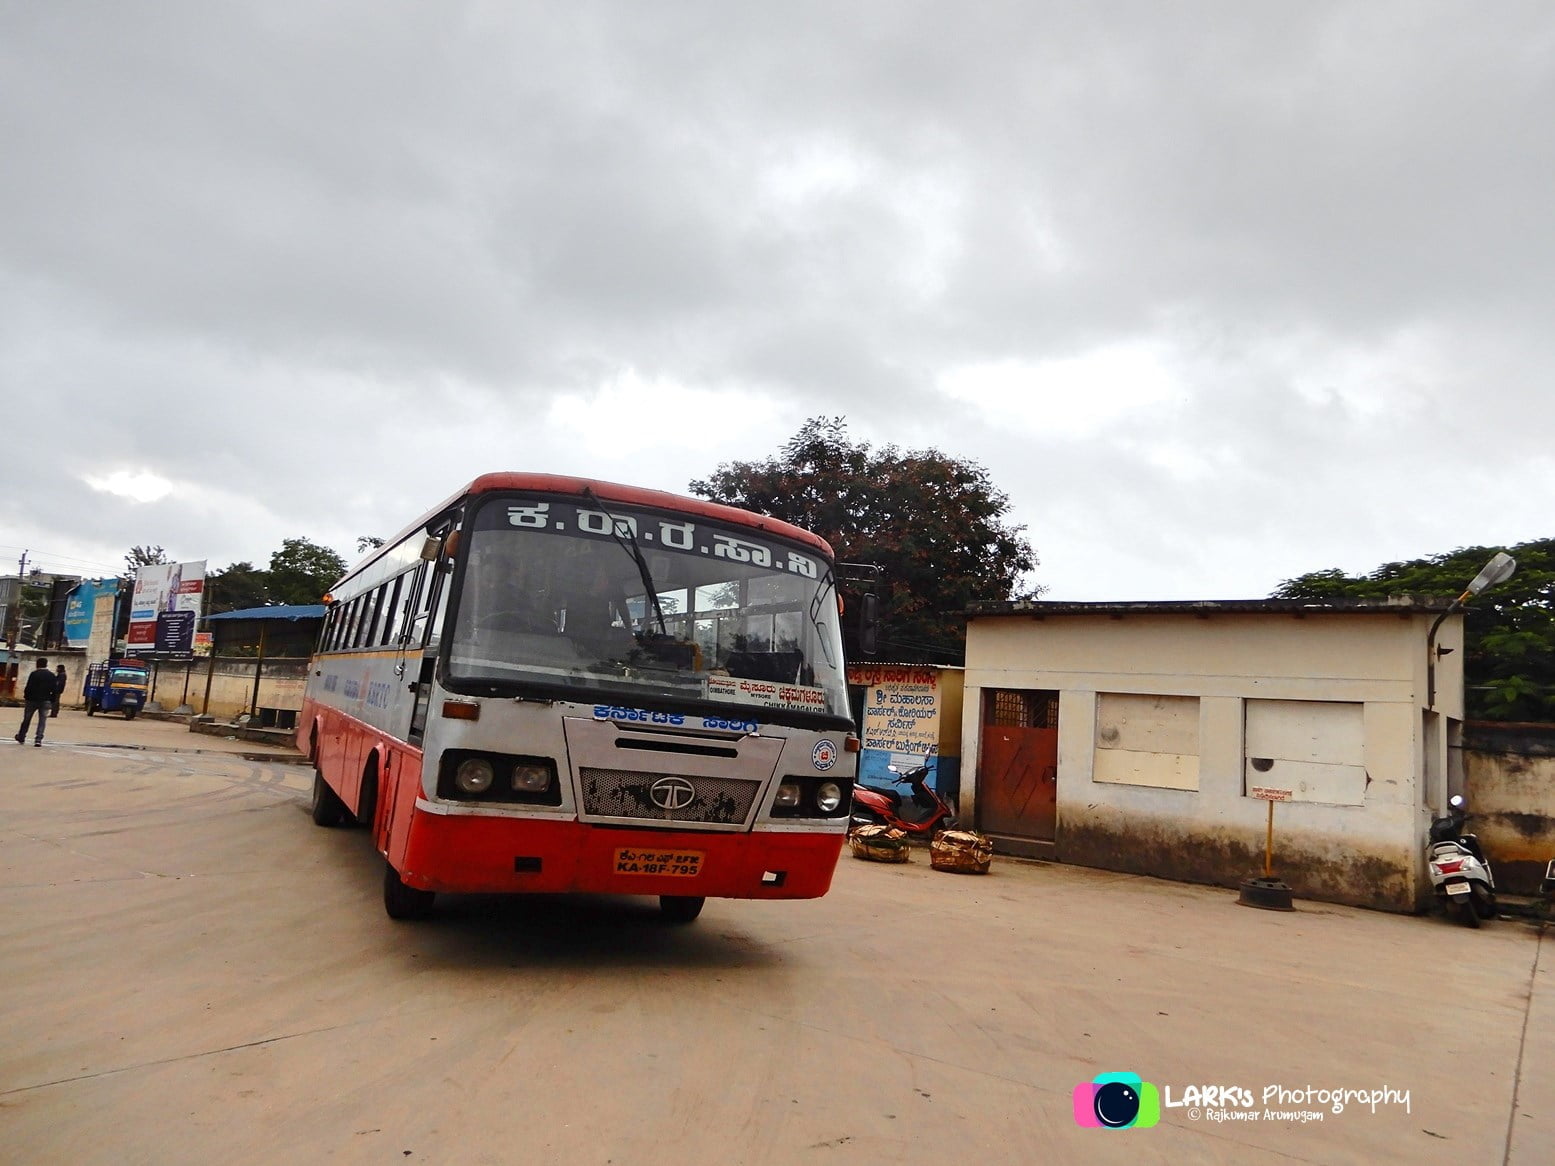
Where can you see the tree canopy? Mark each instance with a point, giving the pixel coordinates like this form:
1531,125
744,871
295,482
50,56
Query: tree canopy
302,571
237,587
146,556
935,524
1509,630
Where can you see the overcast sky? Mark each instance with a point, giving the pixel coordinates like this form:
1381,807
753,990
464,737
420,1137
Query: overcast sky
1218,293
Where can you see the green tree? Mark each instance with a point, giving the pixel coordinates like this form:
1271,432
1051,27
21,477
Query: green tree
935,524
302,572
32,605
1509,630
146,556
234,588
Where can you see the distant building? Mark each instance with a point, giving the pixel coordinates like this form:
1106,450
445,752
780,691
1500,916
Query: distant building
1136,736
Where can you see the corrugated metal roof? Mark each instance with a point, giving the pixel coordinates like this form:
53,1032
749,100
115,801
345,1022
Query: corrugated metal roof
1393,605
292,611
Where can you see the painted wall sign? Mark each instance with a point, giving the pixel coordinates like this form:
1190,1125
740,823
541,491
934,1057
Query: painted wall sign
902,718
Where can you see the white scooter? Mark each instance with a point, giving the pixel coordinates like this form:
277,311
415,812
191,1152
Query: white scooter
1460,875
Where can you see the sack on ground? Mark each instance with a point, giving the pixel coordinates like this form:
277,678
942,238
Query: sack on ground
879,844
962,851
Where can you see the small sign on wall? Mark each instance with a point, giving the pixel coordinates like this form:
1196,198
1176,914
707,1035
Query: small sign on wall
1269,793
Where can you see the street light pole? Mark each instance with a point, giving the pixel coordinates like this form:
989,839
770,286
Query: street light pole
1498,570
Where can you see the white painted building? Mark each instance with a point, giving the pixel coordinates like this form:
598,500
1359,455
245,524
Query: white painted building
1131,736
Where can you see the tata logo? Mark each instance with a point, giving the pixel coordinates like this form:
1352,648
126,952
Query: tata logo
672,793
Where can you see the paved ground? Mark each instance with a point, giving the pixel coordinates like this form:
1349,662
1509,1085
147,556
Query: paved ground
193,972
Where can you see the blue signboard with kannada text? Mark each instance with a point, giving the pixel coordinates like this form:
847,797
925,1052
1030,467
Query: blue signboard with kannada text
81,605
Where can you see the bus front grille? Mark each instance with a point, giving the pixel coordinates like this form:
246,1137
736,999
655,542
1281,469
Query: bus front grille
665,797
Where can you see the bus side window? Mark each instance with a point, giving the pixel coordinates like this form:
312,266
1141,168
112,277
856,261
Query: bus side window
424,591
410,608
364,605
364,629
375,629
386,628
432,598
441,578
348,624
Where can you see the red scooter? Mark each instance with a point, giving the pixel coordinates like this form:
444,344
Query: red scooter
923,815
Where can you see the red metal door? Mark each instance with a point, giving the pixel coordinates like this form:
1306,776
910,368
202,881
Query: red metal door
1017,774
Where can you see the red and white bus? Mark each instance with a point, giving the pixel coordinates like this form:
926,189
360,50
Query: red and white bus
550,684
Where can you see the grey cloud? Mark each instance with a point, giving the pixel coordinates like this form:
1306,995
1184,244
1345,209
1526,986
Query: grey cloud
405,229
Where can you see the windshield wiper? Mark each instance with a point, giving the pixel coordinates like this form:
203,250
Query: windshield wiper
629,545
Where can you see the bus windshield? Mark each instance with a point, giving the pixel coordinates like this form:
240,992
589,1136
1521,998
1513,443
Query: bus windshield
627,603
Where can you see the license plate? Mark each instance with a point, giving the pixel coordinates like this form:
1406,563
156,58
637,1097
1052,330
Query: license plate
1458,888
674,863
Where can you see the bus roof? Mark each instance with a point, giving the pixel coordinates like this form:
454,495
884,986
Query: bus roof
607,492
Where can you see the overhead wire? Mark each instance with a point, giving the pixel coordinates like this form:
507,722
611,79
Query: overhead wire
37,554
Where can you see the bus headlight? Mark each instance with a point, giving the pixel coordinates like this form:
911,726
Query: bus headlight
474,776
810,796
469,774
530,778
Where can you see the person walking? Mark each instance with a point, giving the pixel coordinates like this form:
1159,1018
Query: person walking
37,697
61,680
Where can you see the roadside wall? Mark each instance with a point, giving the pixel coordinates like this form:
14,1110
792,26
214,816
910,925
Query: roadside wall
223,687
1509,783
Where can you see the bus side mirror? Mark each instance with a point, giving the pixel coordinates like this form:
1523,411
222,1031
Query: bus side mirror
869,624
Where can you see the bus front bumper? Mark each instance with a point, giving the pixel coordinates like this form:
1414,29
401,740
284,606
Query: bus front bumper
467,854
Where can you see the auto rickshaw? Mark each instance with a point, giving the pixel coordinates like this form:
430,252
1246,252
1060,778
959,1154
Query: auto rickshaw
117,686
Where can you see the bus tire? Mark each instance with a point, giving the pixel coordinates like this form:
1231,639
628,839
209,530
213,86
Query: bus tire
91,707
326,807
680,908
129,712
402,902
367,800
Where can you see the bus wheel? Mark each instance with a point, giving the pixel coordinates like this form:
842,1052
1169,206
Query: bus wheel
367,802
402,902
129,712
326,807
91,707
680,908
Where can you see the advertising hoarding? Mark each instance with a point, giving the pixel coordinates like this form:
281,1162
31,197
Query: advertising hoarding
81,609
163,590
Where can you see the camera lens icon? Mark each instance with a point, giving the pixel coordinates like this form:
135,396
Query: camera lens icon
1116,1101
